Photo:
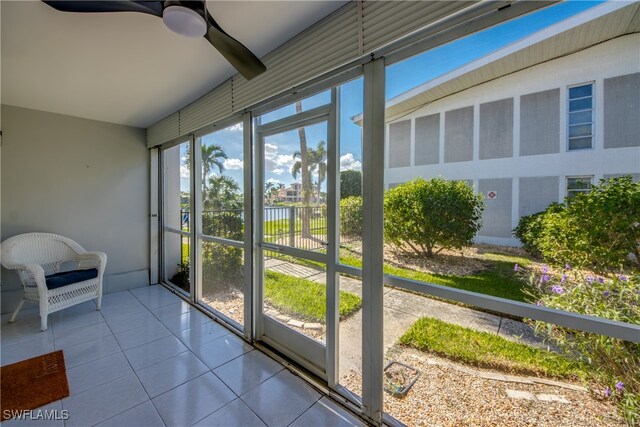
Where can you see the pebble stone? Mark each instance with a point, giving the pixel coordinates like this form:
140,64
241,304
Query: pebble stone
551,398
519,394
295,323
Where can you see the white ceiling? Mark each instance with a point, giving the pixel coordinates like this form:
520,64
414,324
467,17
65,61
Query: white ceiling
128,68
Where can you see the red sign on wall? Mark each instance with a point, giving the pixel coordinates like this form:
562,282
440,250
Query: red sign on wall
492,195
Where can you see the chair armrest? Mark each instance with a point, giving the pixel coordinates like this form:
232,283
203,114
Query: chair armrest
93,259
37,272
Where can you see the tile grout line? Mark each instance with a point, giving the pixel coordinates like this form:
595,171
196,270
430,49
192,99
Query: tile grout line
137,378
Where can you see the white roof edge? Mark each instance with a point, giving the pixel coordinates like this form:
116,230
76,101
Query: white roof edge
537,37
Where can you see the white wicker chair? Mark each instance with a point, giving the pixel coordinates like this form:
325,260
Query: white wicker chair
36,256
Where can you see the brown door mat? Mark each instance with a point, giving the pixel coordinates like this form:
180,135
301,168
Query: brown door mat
32,383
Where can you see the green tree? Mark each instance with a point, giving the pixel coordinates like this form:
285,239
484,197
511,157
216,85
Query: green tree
350,184
212,156
307,186
351,216
422,215
222,193
316,162
268,189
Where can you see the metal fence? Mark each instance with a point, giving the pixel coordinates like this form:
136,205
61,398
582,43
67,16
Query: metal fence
283,225
286,225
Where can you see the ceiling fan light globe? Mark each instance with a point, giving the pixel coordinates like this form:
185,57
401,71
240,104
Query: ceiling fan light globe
184,21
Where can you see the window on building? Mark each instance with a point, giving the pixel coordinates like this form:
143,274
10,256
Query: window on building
577,185
581,117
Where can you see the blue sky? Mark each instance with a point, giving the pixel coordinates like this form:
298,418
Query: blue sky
400,77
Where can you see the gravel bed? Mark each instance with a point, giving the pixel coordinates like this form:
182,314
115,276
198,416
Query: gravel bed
458,262
227,301
446,396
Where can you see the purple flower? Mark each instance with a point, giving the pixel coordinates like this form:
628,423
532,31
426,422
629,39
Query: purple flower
600,280
567,266
622,278
619,385
545,278
545,269
516,267
557,289
607,391
590,279
606,294
563,278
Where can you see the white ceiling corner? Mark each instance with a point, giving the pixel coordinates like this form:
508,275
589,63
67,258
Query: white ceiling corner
128,68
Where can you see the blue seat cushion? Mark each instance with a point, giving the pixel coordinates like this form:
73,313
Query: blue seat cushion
65,278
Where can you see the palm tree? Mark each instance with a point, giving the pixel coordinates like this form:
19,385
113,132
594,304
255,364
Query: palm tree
222,193
267,191
317,163
307,186
271,191
212,155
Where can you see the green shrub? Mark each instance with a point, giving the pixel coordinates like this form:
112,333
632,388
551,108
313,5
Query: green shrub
351,216
181,278
222,265
613,364
598,229
530,228
350,184
421,214
228,225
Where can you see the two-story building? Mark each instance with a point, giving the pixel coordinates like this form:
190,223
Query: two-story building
529,124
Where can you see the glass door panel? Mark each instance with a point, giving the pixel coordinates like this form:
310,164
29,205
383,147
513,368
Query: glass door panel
177,224
295,294
293,236
220,243
296,166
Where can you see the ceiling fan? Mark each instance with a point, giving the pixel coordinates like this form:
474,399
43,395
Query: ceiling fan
188,18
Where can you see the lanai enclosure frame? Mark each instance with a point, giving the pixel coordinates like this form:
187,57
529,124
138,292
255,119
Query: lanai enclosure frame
102,185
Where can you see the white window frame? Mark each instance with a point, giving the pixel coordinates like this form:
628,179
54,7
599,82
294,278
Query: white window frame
593,116
577,191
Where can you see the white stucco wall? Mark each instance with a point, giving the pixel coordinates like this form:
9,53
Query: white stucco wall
84,179
616,57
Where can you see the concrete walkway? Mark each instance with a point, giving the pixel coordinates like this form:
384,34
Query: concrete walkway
401,310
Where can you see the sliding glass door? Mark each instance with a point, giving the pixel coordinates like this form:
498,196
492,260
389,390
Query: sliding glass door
177,224
223,220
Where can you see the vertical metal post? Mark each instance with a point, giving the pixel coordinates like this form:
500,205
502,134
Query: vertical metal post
248,224
333,312
161,217
372,239
292,226
154,220
195,220
258,232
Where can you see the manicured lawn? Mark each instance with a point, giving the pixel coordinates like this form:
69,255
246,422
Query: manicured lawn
281,226
487,350
304,299
499,281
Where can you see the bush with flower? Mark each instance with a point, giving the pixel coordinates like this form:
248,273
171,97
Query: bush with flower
614,363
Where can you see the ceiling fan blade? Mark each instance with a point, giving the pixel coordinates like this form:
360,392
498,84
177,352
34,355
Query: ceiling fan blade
149,7
235,52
